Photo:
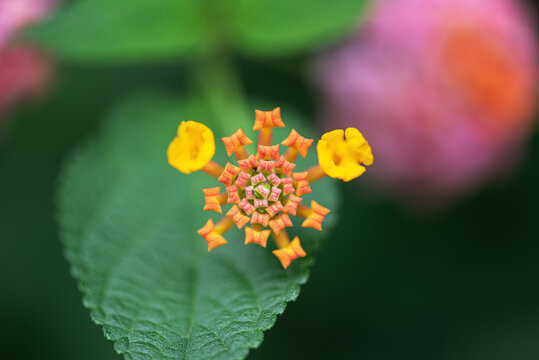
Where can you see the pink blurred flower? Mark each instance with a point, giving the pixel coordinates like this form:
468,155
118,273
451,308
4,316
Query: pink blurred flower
443,90
24,69
16,14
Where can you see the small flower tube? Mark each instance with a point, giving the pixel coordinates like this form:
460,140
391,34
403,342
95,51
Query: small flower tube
290,253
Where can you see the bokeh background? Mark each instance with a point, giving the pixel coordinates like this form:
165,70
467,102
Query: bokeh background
454,277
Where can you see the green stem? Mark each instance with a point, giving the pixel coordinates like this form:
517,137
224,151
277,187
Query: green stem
219,87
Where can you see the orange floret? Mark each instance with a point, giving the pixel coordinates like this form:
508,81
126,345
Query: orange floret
249,163
274,209
236,142
316,217
292,204
229,174
212,237
233,196
298,143
286,166
288,186
278,224
268,119
302,184
264,165
268,152
236,215
211,199
246,206
290,253
256,237
241,181
259,218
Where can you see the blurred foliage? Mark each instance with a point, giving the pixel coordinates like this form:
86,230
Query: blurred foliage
97,31
268,28
119,30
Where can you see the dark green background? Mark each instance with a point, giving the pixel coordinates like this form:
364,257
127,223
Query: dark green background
388,284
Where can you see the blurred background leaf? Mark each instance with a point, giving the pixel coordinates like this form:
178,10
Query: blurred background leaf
124,31
268,28
102,31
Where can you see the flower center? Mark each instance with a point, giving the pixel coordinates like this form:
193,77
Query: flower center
263,191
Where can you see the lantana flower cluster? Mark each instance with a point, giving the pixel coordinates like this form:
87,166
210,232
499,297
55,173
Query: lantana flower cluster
265,189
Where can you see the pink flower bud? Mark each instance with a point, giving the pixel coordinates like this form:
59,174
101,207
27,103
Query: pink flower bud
275,193
249,192
241,181
261,203
274,179
257,179
263,191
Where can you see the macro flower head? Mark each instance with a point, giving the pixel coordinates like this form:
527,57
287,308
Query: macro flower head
265,189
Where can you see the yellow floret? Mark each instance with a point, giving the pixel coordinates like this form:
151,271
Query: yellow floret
192,148
340,154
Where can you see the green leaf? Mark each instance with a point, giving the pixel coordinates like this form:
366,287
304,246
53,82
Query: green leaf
280,27
120,30
129,222
140,30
